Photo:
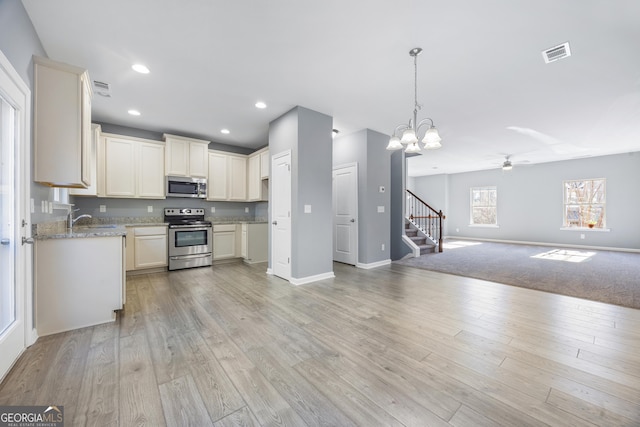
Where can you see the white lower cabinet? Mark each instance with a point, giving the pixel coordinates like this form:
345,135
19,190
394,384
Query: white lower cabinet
254,242
78,282
146,247
224,241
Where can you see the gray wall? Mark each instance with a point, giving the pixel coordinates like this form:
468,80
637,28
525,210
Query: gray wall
134,208
308,135
530,205
398,248
19,42
157,136
367,148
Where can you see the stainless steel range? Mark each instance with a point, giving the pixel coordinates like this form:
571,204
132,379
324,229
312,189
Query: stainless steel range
190,238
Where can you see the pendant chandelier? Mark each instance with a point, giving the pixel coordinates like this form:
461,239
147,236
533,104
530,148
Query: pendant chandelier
410,132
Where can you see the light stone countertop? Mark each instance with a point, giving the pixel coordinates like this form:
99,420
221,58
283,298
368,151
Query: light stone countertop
84,232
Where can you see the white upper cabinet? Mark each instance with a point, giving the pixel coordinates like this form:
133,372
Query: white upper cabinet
265,160
92,153
257,173
132,167
62,124
185,156
217,178
227,178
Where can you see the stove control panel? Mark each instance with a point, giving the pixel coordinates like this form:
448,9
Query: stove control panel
183,211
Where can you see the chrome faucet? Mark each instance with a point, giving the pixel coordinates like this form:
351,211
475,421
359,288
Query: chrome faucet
73,220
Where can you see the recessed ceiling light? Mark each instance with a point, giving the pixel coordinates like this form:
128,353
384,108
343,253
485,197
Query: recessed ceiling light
225,131
261,104
134,112
140,68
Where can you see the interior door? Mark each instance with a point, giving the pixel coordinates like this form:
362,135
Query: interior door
13,131
345,214
281,215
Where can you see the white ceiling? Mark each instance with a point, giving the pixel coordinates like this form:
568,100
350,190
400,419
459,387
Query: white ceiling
482,78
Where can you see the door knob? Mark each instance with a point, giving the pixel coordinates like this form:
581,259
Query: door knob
28,240
353,220
275,223
5,241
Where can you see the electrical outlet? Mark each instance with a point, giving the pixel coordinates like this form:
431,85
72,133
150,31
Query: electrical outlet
382,247
213,209
246,210
380,209
307,208
582,236
103,208
457,230
149,208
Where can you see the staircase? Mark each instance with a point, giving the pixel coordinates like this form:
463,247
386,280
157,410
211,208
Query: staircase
426,245
423,225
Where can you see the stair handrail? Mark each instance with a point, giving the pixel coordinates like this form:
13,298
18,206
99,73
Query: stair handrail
430,228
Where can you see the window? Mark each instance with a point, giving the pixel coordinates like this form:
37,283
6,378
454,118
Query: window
584,203
484,206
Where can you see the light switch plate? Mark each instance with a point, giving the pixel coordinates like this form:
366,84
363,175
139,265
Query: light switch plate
307,208
103,208
149,208
33,206
213,209
380,209
246,210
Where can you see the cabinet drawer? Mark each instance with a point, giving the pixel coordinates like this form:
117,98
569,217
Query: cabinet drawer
224,227
150,231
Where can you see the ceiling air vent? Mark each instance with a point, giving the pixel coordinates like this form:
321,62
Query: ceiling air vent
556,53
102,88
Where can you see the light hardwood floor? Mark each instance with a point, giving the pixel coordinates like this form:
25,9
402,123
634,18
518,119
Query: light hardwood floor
392,346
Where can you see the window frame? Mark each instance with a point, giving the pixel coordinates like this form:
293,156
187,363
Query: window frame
600,225
472,206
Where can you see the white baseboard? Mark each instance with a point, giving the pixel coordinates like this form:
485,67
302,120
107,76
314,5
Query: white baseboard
373,264
310,279
270,271
564,245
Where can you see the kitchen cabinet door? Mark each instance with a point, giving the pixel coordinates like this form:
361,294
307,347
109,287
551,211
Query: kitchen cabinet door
150,171
198,160
264,164
62,124
92,152
237,178
150,251
120,167
217,179
254,182
224,244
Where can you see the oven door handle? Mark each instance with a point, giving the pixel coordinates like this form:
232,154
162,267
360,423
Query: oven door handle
189,227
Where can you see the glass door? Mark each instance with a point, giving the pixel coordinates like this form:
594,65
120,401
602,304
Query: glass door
14,110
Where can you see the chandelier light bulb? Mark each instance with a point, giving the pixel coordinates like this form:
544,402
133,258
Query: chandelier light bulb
394,143
432,139
409,136
413,148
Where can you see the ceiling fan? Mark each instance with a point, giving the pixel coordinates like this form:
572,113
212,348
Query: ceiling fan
507,165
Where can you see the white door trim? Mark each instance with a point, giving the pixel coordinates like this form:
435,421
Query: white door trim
21,100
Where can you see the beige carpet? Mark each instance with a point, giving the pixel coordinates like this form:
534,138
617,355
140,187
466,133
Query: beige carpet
606,276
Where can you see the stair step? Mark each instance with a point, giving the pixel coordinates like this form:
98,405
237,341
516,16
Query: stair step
426,249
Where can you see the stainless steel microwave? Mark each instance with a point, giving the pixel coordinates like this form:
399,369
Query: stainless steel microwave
181,186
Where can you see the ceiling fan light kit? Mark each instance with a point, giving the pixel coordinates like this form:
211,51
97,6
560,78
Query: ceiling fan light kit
410,132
